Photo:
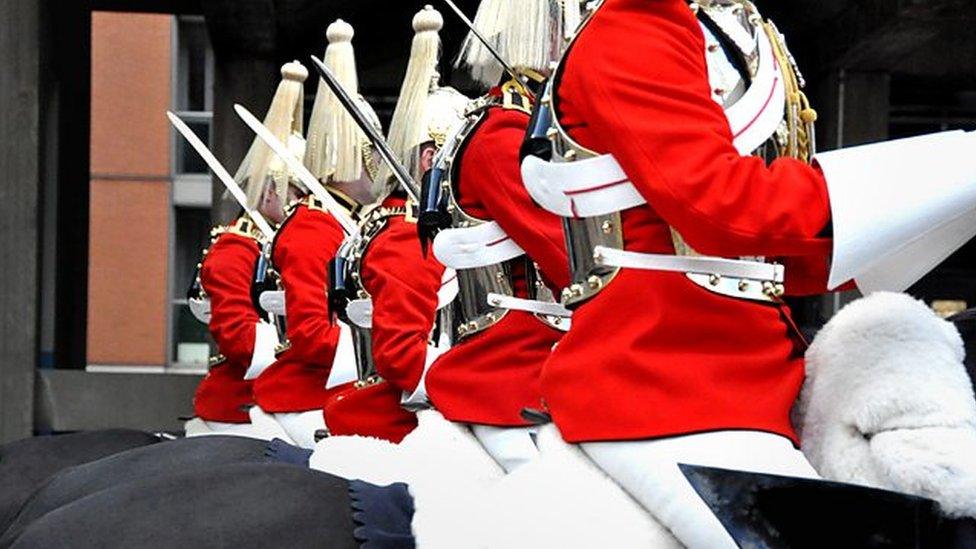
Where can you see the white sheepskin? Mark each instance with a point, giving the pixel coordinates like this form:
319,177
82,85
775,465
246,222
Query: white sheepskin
446,468
449,475
561,499
354,457
462,497
888,403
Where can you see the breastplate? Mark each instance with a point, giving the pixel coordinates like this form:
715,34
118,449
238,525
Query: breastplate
472,312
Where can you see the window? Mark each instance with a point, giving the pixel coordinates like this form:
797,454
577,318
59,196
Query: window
194,90
190,343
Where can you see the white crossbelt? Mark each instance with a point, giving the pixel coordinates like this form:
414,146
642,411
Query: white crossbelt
590,187
528,305
732,268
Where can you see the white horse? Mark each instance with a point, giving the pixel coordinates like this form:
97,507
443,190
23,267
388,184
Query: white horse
887,403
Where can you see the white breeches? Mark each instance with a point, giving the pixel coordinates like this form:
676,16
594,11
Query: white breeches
301,426
510,447
648,471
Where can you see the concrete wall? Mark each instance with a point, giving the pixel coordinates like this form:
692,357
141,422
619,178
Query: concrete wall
130,188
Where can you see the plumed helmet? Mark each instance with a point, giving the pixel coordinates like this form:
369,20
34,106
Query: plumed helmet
283,119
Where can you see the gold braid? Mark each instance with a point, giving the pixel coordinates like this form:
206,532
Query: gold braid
800,117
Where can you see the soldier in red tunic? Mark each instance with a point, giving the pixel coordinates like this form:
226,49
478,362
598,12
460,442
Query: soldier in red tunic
226,280
508,252
384,265
680,160
225,277
296,387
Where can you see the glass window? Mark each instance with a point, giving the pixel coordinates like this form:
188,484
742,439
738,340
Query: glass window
194,90
190,343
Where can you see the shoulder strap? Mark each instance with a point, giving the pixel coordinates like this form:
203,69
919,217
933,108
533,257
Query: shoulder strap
514,99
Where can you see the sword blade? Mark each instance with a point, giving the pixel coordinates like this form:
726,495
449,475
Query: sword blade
299,169
222,174
491,49
376,138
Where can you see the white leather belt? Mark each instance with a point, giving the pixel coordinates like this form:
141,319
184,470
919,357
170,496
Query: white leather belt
529,305
477,246
716,266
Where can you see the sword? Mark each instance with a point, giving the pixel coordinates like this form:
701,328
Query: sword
389,157
296,166
491,49
221,174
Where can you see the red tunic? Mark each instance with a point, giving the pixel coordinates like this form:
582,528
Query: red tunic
653,354
302,248
403,285
226,276
490,377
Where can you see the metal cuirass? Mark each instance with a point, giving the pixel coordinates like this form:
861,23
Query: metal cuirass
735,36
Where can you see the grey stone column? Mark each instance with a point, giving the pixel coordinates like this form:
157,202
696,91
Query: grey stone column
19,173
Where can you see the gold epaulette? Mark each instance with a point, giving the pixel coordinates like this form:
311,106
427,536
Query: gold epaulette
412,212
378,213
243,226
513,98
312,202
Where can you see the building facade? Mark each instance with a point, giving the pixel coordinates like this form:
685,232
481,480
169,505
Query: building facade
150,195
